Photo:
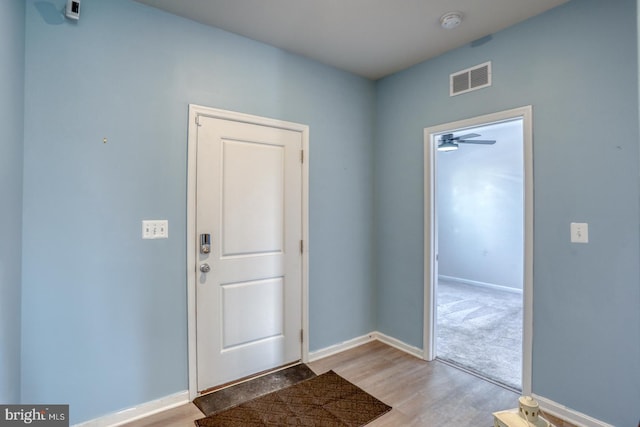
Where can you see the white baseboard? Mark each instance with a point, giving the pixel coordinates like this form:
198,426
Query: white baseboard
400,345
371,336
480,284
574,417
137,412
338,348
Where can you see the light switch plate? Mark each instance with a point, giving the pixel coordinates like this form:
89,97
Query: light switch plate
155,229
579,232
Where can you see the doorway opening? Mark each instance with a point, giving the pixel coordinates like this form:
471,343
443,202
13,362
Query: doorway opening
478,226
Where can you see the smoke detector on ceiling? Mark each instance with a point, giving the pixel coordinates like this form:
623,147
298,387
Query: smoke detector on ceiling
451,20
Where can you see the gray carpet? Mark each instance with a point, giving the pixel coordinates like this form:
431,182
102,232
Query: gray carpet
480,329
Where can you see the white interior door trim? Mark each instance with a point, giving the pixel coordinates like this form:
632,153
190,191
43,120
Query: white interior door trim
430,231
194,112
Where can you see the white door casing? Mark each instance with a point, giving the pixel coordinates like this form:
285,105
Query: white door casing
248,192
431,238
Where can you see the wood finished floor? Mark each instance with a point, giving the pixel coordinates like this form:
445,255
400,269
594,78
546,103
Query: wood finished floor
421,393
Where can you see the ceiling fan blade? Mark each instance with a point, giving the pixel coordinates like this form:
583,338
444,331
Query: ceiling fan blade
477,141
468,135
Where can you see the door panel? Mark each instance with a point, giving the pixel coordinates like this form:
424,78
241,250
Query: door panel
249,198
253,198
252,311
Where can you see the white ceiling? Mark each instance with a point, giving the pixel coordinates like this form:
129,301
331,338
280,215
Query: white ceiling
371,38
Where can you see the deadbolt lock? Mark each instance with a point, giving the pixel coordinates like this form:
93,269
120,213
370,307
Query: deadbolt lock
205,243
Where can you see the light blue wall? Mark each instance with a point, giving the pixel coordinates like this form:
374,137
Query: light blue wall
104,312
11,135
580,73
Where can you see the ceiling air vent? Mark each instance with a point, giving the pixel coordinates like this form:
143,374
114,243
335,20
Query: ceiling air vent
470,79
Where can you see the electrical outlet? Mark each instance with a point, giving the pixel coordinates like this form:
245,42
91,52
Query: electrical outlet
155,229
579,232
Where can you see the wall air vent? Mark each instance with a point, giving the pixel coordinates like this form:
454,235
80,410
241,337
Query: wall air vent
470,79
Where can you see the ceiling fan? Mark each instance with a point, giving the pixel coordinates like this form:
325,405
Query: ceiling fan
448,142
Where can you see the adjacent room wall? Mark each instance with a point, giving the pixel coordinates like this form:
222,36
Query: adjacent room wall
104,312
480,208
11,135
580,73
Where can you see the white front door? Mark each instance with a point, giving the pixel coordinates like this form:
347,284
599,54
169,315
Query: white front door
249,285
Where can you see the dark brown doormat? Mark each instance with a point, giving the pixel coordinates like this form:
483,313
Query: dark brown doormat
327,400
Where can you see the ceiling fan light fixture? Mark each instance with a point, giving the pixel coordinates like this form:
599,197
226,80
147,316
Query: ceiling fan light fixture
450,20
447,146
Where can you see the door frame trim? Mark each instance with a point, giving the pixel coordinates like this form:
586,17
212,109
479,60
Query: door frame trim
194,112
430,231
